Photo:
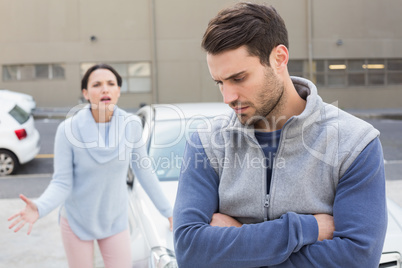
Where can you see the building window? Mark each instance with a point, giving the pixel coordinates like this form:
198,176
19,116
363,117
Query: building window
351,72
23,72
394,74
356,73
136,76
296,68
375,72
336,73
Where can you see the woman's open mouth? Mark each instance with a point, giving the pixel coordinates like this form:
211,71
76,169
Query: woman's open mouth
105,99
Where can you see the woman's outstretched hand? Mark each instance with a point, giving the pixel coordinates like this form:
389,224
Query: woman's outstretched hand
28,215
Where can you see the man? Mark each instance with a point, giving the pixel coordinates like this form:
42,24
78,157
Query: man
287,180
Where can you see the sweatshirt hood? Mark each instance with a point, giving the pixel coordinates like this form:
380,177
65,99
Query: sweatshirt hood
90,136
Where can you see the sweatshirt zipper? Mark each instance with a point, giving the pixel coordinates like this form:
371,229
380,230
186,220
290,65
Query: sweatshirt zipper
266,206
268,196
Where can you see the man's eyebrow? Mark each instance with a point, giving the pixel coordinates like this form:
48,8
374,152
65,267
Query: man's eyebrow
234,75
231,76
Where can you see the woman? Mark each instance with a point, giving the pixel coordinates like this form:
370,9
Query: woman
93,149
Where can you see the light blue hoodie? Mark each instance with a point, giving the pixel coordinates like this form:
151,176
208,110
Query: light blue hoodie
90,170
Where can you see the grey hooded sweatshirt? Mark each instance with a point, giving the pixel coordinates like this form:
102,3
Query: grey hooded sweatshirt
315,149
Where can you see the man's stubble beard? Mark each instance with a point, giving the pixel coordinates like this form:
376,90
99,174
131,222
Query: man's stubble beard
272,102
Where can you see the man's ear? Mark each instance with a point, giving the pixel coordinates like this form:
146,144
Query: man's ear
279,58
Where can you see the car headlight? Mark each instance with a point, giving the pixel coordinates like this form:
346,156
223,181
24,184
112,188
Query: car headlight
162,258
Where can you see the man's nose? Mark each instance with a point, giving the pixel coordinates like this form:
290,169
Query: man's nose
229,94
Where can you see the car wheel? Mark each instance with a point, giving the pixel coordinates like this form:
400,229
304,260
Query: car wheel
8,163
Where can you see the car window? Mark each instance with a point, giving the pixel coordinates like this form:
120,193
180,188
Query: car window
167,146
19,114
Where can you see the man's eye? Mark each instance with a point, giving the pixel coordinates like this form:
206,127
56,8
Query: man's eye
238,79
218,83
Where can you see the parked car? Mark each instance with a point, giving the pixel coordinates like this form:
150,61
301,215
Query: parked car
23,100
19,139
166,128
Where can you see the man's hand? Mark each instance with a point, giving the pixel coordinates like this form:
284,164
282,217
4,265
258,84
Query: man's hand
326,226
222,220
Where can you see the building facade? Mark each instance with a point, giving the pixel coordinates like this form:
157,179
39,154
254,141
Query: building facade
352,50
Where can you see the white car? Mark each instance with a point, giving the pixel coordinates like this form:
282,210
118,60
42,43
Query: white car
166,128
23,100
19,139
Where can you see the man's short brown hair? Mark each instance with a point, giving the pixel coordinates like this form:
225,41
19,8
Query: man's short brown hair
259,27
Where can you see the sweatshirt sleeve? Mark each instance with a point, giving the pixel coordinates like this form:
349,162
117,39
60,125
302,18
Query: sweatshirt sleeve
360,216
197,244
149,180
62,182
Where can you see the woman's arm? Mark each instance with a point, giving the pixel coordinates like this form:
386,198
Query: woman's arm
62,182
149,181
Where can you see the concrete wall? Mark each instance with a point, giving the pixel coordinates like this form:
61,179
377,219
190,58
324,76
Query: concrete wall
168,34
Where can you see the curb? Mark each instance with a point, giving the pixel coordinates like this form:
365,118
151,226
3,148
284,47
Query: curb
61,113
49,116
379,116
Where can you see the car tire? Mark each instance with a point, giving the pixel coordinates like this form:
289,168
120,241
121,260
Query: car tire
8,163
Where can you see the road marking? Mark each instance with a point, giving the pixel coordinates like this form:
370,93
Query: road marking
45,156
390,162
26,176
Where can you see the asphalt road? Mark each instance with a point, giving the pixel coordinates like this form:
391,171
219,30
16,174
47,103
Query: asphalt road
33,177
44,249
